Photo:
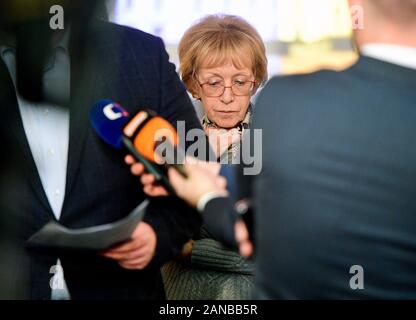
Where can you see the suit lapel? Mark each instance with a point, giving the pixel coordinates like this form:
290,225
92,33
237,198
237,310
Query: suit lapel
87,86
84,80
14,125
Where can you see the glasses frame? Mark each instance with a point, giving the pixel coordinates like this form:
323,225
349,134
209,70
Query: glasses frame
254,83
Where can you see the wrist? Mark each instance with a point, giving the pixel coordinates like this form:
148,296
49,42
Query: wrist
208,196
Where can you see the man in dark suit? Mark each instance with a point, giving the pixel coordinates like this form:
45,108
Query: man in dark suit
132,68
335,203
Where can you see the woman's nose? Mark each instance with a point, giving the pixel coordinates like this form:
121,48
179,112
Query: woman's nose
228,96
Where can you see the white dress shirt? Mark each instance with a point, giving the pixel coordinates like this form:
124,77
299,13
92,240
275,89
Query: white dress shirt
400,55
47,130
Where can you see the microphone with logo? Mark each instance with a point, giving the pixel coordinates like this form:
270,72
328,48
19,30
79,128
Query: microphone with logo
149,138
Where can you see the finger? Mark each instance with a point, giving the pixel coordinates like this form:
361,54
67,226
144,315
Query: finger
134,244
242,238
137,169
140,228
147,179
141,238
138,262
121,255
127,257
155,191
241,232
150,190
138,266
246,249
129,159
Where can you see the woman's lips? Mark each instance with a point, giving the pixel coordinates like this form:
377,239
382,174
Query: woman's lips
226,112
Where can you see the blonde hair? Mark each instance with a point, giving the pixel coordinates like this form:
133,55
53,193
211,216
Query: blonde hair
218,39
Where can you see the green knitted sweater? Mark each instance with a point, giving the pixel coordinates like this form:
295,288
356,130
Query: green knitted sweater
213,273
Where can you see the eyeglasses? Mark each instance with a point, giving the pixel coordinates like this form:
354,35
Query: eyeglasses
217,88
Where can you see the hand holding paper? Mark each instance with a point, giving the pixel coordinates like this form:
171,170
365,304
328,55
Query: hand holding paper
137,252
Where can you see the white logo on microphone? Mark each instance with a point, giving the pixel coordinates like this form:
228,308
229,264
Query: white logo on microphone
110,114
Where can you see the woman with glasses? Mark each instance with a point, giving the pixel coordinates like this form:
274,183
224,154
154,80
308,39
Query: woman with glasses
222,63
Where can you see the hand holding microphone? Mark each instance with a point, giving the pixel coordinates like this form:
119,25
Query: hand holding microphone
150,186
149,138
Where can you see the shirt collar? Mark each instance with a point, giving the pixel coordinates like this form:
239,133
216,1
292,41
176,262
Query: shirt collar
61,45
399,55
64,41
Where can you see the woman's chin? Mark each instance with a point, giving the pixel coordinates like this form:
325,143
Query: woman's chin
226,120
226,123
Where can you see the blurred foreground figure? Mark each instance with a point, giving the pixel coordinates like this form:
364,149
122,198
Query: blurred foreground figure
59,169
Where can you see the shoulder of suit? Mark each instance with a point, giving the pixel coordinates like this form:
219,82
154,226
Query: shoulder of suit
320,75
291,91
132,35
284,85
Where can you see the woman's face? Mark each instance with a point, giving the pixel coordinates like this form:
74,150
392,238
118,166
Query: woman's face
228,109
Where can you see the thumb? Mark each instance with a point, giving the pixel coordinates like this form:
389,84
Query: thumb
241,232
137,230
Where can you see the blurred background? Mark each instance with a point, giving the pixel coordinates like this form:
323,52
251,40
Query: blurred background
300,35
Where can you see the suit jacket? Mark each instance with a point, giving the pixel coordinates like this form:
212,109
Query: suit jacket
132,68
338,184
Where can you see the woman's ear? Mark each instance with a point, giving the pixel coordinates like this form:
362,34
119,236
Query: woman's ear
256,87
194,90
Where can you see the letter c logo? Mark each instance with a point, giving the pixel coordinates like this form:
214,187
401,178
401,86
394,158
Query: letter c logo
110,114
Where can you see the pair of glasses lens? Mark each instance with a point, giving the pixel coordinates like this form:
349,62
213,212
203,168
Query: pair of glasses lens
239,88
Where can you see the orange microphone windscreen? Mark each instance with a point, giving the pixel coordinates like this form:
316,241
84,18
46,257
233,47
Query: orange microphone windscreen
155,130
